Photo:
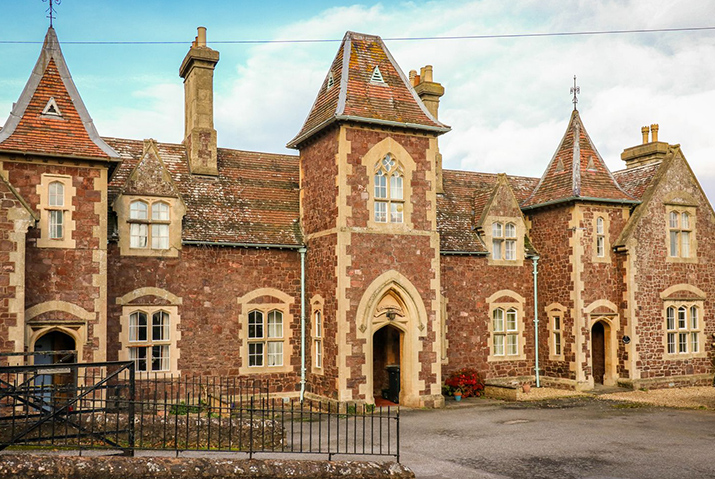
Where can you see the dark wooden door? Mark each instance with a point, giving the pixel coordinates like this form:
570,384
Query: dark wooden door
598,352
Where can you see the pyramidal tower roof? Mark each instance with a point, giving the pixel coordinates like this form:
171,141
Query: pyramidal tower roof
576,171
50,118
365,84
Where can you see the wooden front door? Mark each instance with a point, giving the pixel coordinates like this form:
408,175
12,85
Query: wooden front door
598,352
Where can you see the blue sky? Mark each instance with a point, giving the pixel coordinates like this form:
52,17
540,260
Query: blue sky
507,100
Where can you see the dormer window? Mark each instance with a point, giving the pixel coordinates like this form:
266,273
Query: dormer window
52,109
376,76
146,228
389,198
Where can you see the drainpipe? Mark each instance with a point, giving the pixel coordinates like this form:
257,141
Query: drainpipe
302,252
535,259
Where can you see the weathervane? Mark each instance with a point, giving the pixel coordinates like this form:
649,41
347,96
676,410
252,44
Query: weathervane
51,10
575,90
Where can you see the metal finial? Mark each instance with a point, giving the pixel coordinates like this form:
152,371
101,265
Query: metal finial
51,11
575,90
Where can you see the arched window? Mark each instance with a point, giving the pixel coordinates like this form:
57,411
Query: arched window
149,342
505,328
389,196
680,229
600,238
682,324
265,338
318,338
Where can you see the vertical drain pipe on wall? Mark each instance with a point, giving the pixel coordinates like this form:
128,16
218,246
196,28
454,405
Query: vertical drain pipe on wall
535,259
302,252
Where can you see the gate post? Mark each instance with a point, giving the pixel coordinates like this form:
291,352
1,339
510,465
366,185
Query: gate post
131,411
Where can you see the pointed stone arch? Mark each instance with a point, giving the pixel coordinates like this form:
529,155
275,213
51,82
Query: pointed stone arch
392,300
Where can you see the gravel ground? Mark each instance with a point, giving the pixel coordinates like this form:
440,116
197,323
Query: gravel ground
690,398
538,394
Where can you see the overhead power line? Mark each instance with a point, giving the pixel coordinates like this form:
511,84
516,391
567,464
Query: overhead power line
396,39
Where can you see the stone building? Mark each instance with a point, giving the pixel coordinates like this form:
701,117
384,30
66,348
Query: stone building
316,271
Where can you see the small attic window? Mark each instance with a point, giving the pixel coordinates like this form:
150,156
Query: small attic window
51,108
376,76
331,81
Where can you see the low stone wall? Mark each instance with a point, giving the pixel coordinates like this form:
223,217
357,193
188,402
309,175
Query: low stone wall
116,467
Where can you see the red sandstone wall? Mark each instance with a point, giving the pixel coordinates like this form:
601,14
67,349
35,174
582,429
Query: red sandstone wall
654,275
210,280
550,235
62,274
319,189
467,281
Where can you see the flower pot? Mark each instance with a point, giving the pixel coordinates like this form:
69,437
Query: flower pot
457,397
526,388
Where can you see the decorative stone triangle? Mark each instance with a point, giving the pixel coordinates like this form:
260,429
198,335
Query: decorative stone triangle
150,176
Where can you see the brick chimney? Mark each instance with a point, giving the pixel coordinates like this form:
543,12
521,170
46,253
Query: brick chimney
197,70
429,92
651,151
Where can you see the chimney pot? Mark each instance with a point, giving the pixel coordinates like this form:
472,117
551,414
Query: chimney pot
654,132
426,73
645,130
201,36
413,75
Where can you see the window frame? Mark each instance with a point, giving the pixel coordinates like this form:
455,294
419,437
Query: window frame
385,170
681,223
505,235
170,335
56,210
683,329
266,339
506,339
148,225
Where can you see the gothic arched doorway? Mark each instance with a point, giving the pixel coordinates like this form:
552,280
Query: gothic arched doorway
386,361
598,352
61,384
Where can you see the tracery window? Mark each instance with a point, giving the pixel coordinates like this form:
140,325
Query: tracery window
389,195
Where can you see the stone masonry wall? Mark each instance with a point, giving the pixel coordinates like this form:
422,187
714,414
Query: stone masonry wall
209,280
58,274
467,281
654,274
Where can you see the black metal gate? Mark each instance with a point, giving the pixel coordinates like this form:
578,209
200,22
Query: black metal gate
56,404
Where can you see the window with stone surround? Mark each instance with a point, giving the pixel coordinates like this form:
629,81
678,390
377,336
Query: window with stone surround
506,326
150,340
265,338
318,338
149,225
504,241
683,329
680,233
56,224
555,314
600,238
389,202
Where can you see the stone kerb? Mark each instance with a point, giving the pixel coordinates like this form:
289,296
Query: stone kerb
117,467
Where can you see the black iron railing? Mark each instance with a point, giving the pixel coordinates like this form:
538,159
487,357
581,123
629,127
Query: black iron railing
103,406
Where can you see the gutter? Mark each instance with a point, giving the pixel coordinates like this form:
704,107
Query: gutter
373,121
580,198
243,245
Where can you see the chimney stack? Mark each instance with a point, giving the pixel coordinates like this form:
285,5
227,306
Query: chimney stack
430,93
652,151
197,70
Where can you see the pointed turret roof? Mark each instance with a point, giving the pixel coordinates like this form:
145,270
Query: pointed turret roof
50,118
577,171
366,84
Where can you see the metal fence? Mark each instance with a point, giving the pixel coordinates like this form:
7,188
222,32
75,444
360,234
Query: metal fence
104,406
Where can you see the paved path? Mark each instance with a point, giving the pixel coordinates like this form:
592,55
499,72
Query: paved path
566,438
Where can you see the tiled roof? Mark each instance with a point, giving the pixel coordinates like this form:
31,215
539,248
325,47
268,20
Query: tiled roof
466,194
636,180
577,171
71,134
253,200
355,96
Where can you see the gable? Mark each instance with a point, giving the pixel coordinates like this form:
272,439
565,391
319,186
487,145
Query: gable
150,176
674,183
49,117
502,202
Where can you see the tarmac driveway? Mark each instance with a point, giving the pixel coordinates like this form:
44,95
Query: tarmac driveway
565,438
